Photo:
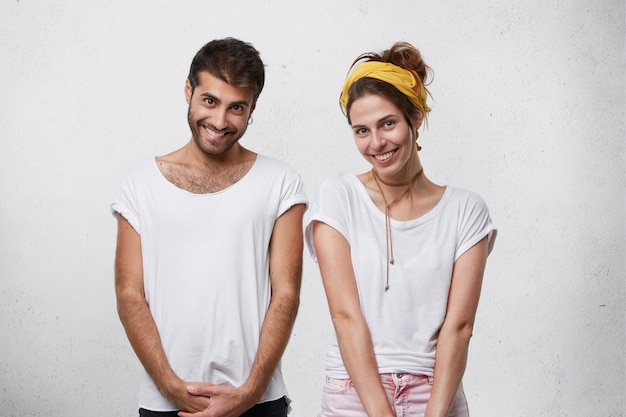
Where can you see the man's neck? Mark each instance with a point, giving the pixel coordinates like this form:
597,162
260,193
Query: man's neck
192,156
192,170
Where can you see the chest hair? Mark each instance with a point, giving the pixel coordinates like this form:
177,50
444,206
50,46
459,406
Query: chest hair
204,181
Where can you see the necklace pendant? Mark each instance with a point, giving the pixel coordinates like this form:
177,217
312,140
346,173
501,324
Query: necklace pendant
391,261
386,287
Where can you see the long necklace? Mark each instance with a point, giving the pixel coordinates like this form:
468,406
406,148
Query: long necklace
388,240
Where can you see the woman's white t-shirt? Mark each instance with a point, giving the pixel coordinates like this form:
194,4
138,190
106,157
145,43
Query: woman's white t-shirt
404,322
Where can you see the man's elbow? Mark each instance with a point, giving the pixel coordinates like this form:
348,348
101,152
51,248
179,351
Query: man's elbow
287,301
129,300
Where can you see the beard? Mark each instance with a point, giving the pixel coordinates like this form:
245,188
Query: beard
211,146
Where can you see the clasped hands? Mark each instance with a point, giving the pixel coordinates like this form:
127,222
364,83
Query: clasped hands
203,399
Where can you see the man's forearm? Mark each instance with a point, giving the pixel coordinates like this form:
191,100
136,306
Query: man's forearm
285,270
144,338
275,334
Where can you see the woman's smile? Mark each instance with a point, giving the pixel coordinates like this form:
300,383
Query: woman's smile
384,156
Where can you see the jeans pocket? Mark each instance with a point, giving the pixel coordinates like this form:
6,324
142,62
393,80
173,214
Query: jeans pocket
335,386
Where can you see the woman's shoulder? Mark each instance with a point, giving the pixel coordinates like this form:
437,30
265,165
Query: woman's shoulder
462,194
465,200
341,181
344,184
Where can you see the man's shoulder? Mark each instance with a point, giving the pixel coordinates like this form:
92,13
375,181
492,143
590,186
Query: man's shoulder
141,171
142,165
274,165
269,160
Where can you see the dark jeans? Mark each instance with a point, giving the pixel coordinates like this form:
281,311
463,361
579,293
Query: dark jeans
276,408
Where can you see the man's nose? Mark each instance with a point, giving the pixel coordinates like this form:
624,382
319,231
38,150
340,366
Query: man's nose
219,120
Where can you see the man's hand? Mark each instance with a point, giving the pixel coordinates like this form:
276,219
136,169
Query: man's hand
175,390
223,401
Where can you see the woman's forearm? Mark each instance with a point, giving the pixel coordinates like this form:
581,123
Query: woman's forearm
357,351
450,363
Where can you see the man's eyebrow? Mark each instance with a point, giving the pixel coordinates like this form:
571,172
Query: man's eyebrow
243,103
218,101
211,96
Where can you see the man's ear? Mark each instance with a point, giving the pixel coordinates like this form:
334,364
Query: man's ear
188,91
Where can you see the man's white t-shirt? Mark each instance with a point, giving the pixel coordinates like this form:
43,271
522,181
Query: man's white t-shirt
206,269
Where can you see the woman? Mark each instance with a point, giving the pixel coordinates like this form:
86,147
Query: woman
401,258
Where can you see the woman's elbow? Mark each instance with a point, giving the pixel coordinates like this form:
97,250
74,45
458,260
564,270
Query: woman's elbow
461,331
344,320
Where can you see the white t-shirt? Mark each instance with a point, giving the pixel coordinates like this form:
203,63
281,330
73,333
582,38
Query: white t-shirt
206,269
404,322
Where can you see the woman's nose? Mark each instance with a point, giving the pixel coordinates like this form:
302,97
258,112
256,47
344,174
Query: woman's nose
378,140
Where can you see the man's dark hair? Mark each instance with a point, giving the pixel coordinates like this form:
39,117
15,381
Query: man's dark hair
233,61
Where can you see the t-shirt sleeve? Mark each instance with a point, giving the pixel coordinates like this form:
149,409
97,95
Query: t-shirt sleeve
475,223
125,204
292,191
328,207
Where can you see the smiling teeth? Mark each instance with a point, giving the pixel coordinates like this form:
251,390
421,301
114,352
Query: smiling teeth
384,156
214,133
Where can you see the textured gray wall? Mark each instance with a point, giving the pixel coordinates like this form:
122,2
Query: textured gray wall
528,111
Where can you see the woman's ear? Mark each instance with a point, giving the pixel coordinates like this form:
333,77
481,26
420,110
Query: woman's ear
417,119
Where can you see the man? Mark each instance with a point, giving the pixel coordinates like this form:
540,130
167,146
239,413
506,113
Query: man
209,254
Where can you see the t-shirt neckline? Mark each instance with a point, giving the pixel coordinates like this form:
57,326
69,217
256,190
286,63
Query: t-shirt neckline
403,223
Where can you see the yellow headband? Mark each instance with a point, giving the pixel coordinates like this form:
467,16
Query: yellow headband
400,78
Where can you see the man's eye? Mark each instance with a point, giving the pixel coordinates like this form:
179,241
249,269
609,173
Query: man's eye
208,101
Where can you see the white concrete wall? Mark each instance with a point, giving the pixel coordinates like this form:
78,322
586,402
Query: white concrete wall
528,111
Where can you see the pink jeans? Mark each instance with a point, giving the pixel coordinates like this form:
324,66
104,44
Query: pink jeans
408,394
